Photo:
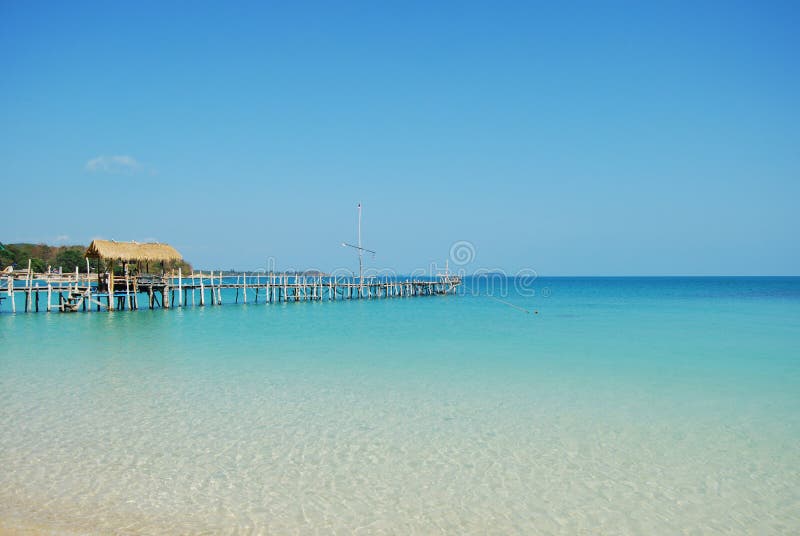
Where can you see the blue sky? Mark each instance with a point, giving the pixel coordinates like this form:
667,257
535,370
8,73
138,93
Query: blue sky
594,138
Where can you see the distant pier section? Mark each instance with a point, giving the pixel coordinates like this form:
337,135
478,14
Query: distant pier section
131,276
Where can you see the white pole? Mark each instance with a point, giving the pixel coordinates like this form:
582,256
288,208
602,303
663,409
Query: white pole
11,293
360,257
202,291
180,288
29,281
88,285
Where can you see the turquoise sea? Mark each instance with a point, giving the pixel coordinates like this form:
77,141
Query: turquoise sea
624,406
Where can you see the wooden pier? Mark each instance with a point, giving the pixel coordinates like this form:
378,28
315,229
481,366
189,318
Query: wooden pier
76,291
121,280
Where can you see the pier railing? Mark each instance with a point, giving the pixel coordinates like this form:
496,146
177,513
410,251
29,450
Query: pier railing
76,291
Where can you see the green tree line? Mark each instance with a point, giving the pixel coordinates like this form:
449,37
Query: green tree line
42,256
66,257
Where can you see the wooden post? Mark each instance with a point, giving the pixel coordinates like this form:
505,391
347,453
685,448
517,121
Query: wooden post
111,304
49,292
11,294
219,289
88,301
89,287
165,293
127,290
28,279
180,287
244,288
202,291
213,290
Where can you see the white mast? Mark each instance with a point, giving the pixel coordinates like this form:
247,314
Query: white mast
360,256
361,251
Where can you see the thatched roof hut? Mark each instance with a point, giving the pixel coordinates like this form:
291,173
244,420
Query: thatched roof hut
132,251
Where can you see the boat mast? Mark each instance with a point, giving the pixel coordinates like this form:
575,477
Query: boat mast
361,251
360,256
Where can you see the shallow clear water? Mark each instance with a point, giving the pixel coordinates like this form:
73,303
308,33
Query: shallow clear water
638,406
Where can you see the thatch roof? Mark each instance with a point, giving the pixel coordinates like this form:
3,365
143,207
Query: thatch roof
131,251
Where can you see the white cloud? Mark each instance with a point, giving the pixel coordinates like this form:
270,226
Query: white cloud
61,238
113,164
